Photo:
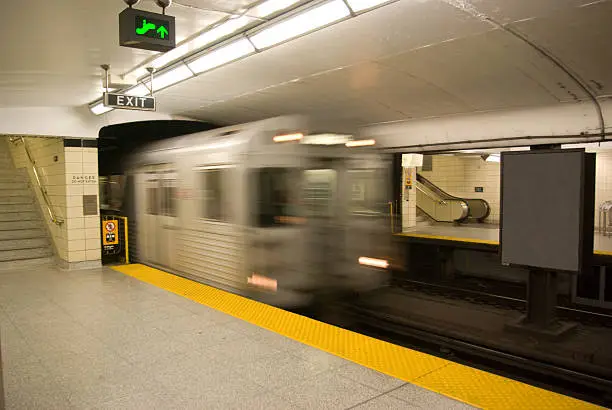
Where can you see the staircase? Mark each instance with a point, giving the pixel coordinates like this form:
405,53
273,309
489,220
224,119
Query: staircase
23,238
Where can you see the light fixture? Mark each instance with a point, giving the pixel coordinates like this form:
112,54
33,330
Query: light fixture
372,262
99,108
170,77
270,7
301,23
493,158
222,30
222,55
326,139
288,137
360,5
138,90
171,55
360,143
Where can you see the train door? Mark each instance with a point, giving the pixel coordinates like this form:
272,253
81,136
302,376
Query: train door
324,210
161,216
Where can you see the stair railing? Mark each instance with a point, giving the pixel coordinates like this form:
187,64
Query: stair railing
56,220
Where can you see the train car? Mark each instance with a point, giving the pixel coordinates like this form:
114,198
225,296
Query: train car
255,210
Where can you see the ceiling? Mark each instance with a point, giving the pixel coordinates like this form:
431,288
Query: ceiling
409,59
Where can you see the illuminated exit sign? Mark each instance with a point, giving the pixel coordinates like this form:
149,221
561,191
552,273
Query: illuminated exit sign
145,30
129,102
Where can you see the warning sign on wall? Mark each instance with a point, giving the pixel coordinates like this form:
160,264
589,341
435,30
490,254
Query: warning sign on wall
110,232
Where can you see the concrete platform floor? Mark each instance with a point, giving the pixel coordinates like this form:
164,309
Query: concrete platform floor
98,339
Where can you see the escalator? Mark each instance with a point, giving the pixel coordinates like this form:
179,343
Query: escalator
444,207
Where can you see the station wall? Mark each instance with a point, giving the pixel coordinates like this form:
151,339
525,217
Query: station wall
63,171
460,175
603,181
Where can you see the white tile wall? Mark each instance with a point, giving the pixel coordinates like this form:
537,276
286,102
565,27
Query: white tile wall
459,175
78,239
603,181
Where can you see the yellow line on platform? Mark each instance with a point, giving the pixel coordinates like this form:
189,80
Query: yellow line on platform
448,238
463,383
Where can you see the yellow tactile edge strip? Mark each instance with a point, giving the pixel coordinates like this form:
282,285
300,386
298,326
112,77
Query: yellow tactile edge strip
448,238
471,240
463,383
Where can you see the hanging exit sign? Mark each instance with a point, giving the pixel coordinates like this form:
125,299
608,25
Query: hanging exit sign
146,30
129,102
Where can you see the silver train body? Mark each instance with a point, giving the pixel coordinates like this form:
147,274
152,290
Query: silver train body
279,222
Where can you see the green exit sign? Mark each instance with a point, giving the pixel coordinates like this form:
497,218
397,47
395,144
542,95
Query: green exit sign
146,30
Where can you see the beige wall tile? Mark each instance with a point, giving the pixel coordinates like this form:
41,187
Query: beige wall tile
94,254
77,256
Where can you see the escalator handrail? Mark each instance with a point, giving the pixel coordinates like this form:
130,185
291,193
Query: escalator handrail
445,195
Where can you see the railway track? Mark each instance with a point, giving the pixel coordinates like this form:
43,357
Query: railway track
586,317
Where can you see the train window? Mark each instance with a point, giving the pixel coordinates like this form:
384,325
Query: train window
277,197
367,191
319,191
215,199
152,201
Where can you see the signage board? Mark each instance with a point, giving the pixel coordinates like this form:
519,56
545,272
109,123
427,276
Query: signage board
129,102
110,232
146,30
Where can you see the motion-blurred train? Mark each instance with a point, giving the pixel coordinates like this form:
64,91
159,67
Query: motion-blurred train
263,210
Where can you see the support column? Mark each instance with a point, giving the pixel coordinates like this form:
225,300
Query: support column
541,317
408,206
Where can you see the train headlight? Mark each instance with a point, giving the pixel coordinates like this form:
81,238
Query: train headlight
374,263
263,282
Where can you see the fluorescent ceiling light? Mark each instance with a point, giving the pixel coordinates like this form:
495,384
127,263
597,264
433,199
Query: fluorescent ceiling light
222,30
360,5
222,55
360,143
270,7
170,77
171,55
302,23
100,108
139,91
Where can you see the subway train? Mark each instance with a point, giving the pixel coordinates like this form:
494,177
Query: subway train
266,210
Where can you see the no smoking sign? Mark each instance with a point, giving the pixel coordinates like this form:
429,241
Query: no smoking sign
110,234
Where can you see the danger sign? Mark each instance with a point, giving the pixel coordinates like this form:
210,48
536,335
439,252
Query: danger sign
110,233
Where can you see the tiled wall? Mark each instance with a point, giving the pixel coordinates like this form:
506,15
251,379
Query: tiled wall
68,173
81,178
459,175
603,181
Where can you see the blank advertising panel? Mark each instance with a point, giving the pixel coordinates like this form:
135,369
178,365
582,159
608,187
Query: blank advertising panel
542,209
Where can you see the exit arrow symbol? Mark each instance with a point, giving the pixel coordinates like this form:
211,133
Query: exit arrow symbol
162,31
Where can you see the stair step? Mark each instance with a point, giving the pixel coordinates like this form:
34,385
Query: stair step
13,185
25,263
20,225
22,199
22,191
14,244
18,216
23,234
21,254
9,208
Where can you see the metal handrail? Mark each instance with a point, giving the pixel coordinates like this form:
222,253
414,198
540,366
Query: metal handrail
440,201
43,190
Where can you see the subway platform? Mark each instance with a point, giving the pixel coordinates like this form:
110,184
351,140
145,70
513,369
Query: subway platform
134,337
